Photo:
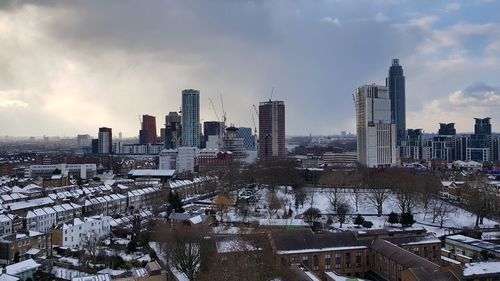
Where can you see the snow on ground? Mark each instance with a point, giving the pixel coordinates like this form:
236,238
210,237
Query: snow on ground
319,198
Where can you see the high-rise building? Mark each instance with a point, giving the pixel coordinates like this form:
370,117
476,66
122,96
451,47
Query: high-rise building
247,136
147,134
396,84
213,132
233,143
172,130
272,130
105,141
411,148
376,133
191,118
481,142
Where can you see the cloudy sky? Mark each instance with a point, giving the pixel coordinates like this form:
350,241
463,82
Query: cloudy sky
68,67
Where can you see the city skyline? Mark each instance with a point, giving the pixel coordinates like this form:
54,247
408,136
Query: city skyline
80,66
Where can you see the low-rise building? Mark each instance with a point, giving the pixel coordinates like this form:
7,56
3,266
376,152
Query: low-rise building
471,247
24,244
77,232
23,270
354,254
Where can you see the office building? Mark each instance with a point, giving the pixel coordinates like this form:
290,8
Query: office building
411,147
376,134
147,134
83,171
105,141
249,141
186,159
443,145
213,131
172,130
395,82
191,118
233,143
272,131
84,140
481,142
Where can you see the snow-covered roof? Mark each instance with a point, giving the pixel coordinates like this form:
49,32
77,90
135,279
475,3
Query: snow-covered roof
480,268
8,277
21,267
151,173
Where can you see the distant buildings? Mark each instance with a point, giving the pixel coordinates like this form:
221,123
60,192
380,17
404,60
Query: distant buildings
376,134
105,141
84,140
83,171
395,82
272,130
172,130
481,146
191,118
147,134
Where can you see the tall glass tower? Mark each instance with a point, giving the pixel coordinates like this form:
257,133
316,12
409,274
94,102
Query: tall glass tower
396,84
191,118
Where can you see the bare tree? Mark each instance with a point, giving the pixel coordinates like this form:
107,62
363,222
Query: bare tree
333,197
183,247
300,197
91,246
480,197
343,208
376,198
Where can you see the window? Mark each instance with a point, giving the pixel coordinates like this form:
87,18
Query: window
358,259
294,259
315,263
416,250
347,260
328,261
426,252
337,261
305,261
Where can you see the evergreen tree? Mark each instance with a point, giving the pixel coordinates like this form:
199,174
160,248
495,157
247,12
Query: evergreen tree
393,218
359,220
407,219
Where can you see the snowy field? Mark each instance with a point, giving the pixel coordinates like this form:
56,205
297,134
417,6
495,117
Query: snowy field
319,198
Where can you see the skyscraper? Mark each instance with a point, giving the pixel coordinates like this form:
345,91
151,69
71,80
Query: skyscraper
272,130
172,130
105,141
191,118
396,84
147,134
375,131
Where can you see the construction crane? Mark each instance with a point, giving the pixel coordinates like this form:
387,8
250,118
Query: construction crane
223,110
256,110
213,107
271,96
254,125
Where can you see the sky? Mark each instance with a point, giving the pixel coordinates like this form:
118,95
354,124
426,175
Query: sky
69,67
